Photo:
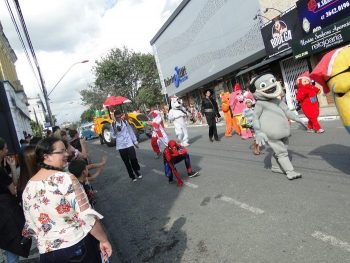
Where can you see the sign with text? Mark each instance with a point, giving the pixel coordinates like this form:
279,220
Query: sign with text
327,38
279,33
317,14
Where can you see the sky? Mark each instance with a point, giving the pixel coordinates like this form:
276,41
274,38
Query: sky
66,32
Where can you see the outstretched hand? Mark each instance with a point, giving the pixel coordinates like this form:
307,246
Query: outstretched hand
261,138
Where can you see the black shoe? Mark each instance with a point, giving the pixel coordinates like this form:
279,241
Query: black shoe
171,181
217,139
211,139
193,174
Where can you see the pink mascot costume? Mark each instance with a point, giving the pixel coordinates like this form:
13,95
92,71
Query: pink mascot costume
307,97
237,105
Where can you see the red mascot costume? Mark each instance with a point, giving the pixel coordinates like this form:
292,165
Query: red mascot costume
307,97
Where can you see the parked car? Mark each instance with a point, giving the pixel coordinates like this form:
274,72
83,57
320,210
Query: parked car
87,131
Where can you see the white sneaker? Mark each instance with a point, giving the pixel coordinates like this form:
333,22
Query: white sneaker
139,176
320,131
185,144
134,180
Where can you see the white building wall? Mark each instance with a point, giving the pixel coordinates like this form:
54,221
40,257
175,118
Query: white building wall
19,112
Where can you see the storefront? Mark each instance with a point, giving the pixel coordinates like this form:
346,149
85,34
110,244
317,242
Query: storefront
204,44
326,25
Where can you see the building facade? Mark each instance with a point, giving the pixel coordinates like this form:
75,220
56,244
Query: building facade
14,114
37,111
214,44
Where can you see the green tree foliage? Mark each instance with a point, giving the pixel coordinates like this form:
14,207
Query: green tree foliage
123,72
87,115
36,129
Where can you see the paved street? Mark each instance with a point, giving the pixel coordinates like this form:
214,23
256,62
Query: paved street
237,210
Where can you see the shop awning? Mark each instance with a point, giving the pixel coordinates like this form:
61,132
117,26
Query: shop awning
264,62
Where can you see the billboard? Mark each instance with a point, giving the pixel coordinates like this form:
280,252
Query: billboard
317,14
279,33
204,40
327,38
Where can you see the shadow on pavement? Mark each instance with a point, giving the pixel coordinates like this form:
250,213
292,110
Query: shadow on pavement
337,155
137,215
193,139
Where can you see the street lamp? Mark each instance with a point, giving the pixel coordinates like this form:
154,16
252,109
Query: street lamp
46,95
76,63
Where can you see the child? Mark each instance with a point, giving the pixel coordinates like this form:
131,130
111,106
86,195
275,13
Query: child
80,170
248,116
173,154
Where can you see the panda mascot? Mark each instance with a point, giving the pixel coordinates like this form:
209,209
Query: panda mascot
178,115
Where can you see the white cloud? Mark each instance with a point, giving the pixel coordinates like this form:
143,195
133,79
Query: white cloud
65,32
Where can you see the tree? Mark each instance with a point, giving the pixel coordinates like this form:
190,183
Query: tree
149,96
87,115
36,129
122,72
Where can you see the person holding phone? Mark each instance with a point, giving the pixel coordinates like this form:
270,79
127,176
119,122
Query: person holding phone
125,143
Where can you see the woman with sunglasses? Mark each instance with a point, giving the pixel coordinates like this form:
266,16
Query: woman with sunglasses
58,213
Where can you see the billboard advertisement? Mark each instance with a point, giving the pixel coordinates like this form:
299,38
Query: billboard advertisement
327,38
317,14
205,40
279,33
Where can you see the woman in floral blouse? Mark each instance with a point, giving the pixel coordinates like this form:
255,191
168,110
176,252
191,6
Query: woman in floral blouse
58,213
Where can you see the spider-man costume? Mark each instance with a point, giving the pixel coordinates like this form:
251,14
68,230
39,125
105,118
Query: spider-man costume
173,154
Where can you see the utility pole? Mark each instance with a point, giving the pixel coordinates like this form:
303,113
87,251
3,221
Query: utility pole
46,97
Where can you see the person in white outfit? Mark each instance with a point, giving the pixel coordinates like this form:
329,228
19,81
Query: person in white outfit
178,116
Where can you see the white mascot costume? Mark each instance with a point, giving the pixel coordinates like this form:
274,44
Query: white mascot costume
177,115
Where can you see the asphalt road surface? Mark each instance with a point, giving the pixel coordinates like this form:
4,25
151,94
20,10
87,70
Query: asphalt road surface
236,210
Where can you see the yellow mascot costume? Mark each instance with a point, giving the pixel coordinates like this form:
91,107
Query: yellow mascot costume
333,73
230,121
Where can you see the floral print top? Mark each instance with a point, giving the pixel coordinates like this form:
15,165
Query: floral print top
57,212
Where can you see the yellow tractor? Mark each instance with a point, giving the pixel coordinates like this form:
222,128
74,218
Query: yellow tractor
103,121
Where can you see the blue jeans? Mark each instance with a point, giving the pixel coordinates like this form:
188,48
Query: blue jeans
11,258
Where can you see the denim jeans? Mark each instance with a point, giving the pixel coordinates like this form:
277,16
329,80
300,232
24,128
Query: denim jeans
85,251
11,258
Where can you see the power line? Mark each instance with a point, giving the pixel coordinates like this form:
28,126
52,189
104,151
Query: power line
22,42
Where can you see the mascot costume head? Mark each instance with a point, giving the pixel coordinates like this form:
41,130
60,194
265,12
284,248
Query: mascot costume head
176,103
333,73
265,87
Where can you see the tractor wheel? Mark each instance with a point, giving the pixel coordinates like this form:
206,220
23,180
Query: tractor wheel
106,134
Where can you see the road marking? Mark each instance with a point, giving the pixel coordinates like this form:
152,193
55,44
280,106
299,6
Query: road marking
331,240
230,200
157,172
142,165
194,186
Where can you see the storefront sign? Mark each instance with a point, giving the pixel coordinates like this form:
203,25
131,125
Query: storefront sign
179,77
329,37
317,14
279,33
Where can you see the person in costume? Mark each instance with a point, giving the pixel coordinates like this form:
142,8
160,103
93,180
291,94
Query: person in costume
307,97
173,154
248,115
178,116
237,106
159,136
271,122
231,123
211,111
333,73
